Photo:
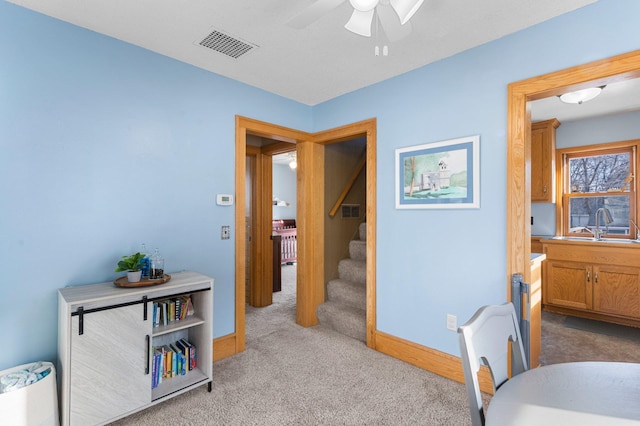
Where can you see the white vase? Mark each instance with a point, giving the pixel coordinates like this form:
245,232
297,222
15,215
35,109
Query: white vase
134,276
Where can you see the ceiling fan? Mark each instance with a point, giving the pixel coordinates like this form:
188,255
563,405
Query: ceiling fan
393,15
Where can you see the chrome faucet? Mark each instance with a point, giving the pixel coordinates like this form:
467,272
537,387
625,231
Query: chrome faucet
598,233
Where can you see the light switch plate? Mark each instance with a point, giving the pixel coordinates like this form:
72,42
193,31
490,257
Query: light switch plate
226,232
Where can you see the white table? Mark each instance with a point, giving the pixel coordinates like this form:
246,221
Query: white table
575,393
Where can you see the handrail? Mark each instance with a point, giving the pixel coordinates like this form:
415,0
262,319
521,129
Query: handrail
348,187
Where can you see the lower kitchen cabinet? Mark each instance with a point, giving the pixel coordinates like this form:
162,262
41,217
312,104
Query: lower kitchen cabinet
616,290
110,340
568,284
593,280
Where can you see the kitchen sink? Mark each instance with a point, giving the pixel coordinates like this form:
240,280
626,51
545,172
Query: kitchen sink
591,239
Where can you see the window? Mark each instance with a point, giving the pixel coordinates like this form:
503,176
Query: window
594,178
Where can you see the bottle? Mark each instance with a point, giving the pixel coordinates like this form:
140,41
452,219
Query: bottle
145,263
157,266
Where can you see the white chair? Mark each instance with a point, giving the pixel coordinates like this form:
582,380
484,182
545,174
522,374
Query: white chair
485,338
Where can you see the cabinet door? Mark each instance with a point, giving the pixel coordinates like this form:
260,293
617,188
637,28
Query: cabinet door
543,147
568,284
616,290
108,364
540,164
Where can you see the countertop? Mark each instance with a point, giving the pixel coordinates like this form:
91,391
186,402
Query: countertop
537,257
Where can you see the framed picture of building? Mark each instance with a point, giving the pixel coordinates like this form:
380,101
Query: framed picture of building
440,175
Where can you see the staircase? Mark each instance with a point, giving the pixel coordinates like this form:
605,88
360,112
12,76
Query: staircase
346,305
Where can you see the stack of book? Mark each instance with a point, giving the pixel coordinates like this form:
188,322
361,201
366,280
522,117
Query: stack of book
167,311
175,359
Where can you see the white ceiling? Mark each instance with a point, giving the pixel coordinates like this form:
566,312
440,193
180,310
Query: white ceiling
309,65
614,99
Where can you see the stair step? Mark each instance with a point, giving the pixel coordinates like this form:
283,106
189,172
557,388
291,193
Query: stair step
344,319
358,250
362,231
347,293
353,270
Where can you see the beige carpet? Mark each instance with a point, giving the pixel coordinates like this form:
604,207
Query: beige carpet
290,375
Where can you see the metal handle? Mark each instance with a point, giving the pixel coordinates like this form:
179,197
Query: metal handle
148,339
595,278
588,276
544,189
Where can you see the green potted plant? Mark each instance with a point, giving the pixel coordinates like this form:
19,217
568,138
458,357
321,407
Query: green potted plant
133,265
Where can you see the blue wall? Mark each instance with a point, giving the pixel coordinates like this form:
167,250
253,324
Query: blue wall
104,145
284,187
432,262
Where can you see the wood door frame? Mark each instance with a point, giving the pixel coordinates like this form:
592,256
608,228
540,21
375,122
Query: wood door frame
310,218
606,71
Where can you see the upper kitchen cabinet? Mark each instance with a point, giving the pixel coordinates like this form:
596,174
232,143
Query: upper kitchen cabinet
543,147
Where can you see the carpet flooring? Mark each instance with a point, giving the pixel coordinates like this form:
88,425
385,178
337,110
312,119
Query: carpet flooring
291,375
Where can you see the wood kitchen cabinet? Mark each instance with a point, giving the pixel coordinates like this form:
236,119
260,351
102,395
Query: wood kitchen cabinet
568,284
593,280
543,148
616,290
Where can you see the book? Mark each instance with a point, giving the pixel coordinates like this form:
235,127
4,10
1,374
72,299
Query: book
193,360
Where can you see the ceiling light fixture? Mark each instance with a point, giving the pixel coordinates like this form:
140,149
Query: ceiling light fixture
293,164
580,96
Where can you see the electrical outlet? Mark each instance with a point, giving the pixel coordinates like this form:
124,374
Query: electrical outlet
452,322
226,232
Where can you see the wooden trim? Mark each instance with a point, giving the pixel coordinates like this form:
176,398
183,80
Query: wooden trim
605,71
278,148
240,232
224,347
315,293
440,363
310,219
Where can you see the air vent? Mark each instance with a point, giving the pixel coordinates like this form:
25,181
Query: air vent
351,211
226,44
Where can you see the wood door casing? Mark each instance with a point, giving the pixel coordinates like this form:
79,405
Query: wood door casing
605,71
310,287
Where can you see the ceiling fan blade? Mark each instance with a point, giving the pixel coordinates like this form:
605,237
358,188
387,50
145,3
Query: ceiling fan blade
314,12
360,22
391,23
406,8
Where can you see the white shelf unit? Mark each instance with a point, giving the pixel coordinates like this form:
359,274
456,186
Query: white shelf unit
105,341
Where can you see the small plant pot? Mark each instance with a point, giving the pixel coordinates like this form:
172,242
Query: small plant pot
134,277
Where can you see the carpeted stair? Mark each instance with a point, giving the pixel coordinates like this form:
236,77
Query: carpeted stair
345,308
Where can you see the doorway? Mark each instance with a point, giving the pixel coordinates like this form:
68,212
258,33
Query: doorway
310,218
598,73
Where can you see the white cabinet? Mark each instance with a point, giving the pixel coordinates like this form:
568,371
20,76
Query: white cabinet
106,338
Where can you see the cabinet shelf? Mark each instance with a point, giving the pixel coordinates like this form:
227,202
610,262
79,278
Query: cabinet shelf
174,384
177,325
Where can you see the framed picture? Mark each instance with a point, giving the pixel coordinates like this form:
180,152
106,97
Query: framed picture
440,175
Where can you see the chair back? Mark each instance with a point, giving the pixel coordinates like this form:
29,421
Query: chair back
485,338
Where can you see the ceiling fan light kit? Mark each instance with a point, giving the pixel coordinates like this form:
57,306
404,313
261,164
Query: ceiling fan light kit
360,22
364,5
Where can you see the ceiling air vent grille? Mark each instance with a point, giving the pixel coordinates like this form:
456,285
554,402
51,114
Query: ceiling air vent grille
226,44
